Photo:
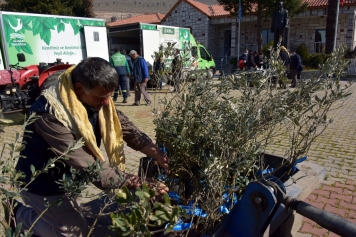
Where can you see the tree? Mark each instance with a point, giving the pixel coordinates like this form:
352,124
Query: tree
330,26
82,8
263,10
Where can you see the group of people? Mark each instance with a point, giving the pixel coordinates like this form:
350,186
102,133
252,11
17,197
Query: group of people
251,60
291,60
133,66
176,66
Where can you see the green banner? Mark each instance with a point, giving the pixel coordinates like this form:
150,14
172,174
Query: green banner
148,27
43,38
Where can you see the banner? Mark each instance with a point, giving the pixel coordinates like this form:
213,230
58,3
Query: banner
44,38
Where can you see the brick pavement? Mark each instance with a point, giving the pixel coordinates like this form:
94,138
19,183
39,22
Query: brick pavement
334,149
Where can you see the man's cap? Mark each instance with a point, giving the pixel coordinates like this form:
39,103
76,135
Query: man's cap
133,52
292,50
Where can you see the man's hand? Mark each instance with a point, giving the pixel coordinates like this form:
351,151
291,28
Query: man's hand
151,150
134,182
146,79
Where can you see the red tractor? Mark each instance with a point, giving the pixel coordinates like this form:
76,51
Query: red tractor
20,86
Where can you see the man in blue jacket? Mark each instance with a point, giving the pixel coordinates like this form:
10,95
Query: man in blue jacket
119,62
296,66
141,77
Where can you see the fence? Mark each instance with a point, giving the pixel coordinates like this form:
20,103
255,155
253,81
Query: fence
351,69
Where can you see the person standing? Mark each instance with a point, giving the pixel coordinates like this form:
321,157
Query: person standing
119,62
283,53
251,60
177,65
242,60
129,61
158,69
295,67
141,77
279,24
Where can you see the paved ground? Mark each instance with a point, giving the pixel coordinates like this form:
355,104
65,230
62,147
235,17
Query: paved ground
335,150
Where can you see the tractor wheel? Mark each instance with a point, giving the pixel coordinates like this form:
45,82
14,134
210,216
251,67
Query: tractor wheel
51,80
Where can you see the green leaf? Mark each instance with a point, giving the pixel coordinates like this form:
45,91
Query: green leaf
37,26
27,27
25,20
46,35
61,27
18,48
145,188
140,194
27,49
56,21
32,168
166,199
48,23
162,215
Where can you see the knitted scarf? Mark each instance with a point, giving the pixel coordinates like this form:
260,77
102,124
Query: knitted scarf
65,106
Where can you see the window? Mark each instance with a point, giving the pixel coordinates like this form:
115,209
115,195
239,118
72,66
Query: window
203,54
267,36
319,41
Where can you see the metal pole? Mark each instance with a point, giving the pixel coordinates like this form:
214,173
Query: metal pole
238,36
336,23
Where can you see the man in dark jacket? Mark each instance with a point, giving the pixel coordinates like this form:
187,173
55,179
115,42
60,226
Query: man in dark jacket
296,67
84,91
251,60
119,62
141,77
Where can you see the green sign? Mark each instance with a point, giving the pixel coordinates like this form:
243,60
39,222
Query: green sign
148,27
169,31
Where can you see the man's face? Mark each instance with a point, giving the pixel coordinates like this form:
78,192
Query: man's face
134,56
95,98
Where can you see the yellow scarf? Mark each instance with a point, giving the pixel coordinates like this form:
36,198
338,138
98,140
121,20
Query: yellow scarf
66,107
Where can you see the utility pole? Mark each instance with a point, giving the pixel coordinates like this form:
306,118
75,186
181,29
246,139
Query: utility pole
336,23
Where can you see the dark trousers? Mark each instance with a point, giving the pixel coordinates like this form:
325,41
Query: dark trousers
123,85
140,88
294,74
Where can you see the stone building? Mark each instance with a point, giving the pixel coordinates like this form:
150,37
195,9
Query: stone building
217,30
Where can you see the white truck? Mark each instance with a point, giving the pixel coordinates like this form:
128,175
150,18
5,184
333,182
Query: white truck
146,39
45,38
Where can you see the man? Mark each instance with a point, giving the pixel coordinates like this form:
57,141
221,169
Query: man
177,65
260,61
119,62
79,105
279,24
295,67
128,58
251,60
242,60
141,77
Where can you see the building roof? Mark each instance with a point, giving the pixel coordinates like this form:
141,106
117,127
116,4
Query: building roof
154,18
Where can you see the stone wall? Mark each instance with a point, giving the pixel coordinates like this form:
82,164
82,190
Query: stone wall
185,15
